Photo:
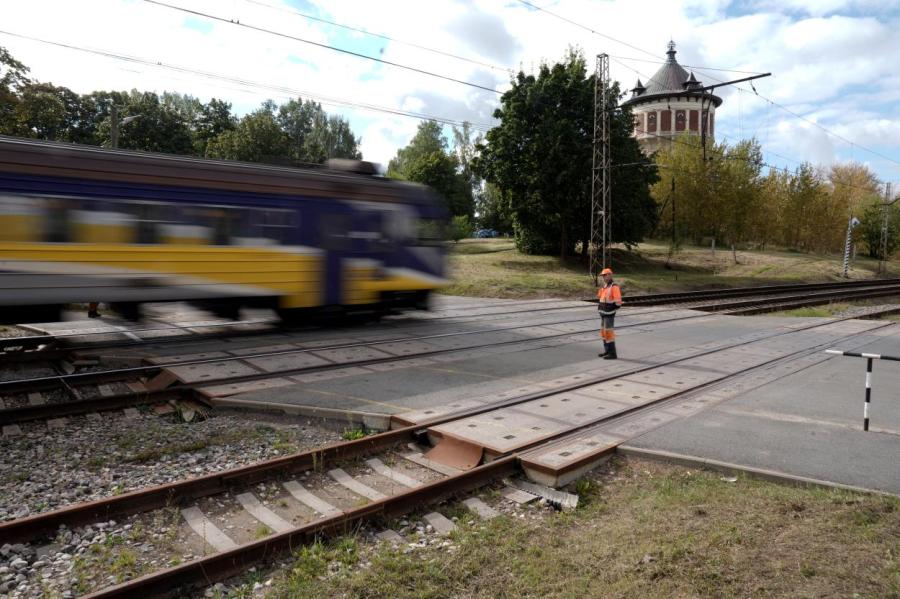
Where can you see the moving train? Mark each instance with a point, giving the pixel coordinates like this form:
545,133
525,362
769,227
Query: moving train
82,224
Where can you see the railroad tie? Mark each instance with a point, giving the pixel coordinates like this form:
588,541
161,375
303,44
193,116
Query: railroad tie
256,509
440,523
394,475
390,536
341,476
480,508
206,530
301,494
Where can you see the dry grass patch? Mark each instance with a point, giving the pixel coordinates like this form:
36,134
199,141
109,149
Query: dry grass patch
646,530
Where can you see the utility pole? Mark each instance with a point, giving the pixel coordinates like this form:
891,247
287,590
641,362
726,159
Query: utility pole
114,125
601,184
885,214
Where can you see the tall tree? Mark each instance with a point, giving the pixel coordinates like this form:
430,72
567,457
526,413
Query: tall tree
256,138
540,158
427,160
213,119
45,111
13,75
313,135
158,128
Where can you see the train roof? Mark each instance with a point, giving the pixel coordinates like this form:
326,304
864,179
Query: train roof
56,159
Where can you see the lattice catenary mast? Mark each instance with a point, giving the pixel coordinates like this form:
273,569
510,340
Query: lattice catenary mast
601,185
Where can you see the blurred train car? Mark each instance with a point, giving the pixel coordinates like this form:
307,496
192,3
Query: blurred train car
81,224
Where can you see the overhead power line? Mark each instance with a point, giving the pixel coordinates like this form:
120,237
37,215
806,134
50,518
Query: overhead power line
380,36
702,69
249,83
585,27
687,66
320,45
646,77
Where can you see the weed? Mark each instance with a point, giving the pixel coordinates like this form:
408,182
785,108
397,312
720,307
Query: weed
352,434
96,462
262,531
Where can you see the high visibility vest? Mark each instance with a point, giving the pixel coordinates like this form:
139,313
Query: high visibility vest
610,294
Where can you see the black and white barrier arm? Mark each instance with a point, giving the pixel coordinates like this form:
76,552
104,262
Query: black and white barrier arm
869,359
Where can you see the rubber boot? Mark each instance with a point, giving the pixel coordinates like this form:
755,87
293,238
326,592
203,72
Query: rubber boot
605,350
611,352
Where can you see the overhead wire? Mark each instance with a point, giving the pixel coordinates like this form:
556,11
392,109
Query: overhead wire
295,38
381,36
702,71
250,83
639,73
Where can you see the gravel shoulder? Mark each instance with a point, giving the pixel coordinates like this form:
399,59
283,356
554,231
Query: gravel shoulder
93,458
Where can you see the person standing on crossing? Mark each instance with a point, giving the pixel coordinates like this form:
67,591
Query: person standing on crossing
610,297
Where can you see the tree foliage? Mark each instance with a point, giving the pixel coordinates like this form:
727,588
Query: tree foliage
728,198
296,132
540,157
427,160
871,223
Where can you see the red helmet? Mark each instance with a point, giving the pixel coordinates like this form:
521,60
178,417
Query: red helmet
606,271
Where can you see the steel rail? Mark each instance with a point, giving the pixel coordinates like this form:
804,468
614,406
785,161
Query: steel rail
34,412
35,526
12,386
651,299
35,383
220,566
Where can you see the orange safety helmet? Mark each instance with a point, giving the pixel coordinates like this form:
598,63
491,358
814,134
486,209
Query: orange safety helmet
606,271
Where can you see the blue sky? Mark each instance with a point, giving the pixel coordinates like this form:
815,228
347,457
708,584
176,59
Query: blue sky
833,61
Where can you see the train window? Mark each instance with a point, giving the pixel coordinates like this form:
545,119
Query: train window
334,229
58,221
149,219
276,224
222,226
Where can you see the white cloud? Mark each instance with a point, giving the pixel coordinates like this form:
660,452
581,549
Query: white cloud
828,62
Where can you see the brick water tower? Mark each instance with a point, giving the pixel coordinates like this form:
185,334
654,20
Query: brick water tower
669,105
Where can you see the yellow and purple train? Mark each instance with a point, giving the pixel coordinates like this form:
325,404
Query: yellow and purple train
82,224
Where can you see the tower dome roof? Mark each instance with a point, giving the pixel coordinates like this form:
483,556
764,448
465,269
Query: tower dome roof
671,79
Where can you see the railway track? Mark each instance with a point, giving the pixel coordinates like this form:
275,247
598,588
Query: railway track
51,347
85,390
714,294
184,378
349,465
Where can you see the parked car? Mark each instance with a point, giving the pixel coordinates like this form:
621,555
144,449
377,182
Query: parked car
485,233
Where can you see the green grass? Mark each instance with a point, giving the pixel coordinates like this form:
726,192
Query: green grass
642,530
814,311
494,268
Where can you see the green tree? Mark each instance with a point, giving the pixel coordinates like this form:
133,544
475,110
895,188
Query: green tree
212,119
493,209
871,222
540,156
13,76
160,127
460,227
45,111
429,139
314,136
256,138
427,160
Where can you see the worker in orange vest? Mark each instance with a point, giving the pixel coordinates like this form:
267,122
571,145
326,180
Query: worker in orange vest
610,297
